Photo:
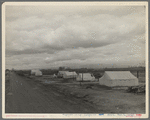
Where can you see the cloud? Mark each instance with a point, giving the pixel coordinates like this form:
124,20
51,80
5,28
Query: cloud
74,32
83,35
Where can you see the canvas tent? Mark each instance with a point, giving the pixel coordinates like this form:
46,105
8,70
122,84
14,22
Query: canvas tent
85,76
61,73
118,78
33,72
54,76
69,75
38,73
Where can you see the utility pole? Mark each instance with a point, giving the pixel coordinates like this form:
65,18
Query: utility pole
82,79
82,76
73,76
137,74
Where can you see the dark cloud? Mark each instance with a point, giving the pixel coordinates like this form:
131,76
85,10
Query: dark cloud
20,52
44,49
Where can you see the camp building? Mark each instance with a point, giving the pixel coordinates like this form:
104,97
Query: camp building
118,78
61,73
33,72
36,72
69,75
54,76
85,77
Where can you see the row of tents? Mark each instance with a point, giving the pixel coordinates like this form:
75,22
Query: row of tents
79,77
110,78
67,74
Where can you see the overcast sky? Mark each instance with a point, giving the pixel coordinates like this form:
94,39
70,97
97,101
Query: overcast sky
74,36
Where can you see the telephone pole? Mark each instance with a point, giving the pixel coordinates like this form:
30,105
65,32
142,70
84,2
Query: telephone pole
82,79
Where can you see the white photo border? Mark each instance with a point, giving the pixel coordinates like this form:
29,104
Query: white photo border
66,115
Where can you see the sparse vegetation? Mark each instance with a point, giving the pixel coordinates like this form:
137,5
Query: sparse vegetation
98,73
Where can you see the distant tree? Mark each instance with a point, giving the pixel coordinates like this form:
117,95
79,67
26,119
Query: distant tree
97,75
20,72
61,68
7,69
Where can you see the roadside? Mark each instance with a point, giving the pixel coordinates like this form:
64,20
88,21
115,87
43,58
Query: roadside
106,99
55,95
28,96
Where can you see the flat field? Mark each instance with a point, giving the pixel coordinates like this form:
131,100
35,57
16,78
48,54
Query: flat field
77,97
106,99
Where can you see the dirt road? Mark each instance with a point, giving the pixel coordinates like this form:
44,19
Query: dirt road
27,96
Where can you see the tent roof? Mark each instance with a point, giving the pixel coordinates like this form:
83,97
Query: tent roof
85,74
35,70
38,71
120,75
71,73
62,71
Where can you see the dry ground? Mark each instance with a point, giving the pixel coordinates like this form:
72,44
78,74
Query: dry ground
47,94
107,100
30,96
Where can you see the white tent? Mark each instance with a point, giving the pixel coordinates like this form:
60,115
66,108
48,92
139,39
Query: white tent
86,77
69,75
38,73
33,72
61,73
118,78
54,76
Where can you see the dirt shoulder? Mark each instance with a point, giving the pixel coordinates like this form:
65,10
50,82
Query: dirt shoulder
32,96
104,98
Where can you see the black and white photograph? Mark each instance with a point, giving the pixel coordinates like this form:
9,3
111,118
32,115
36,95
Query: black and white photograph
75,60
